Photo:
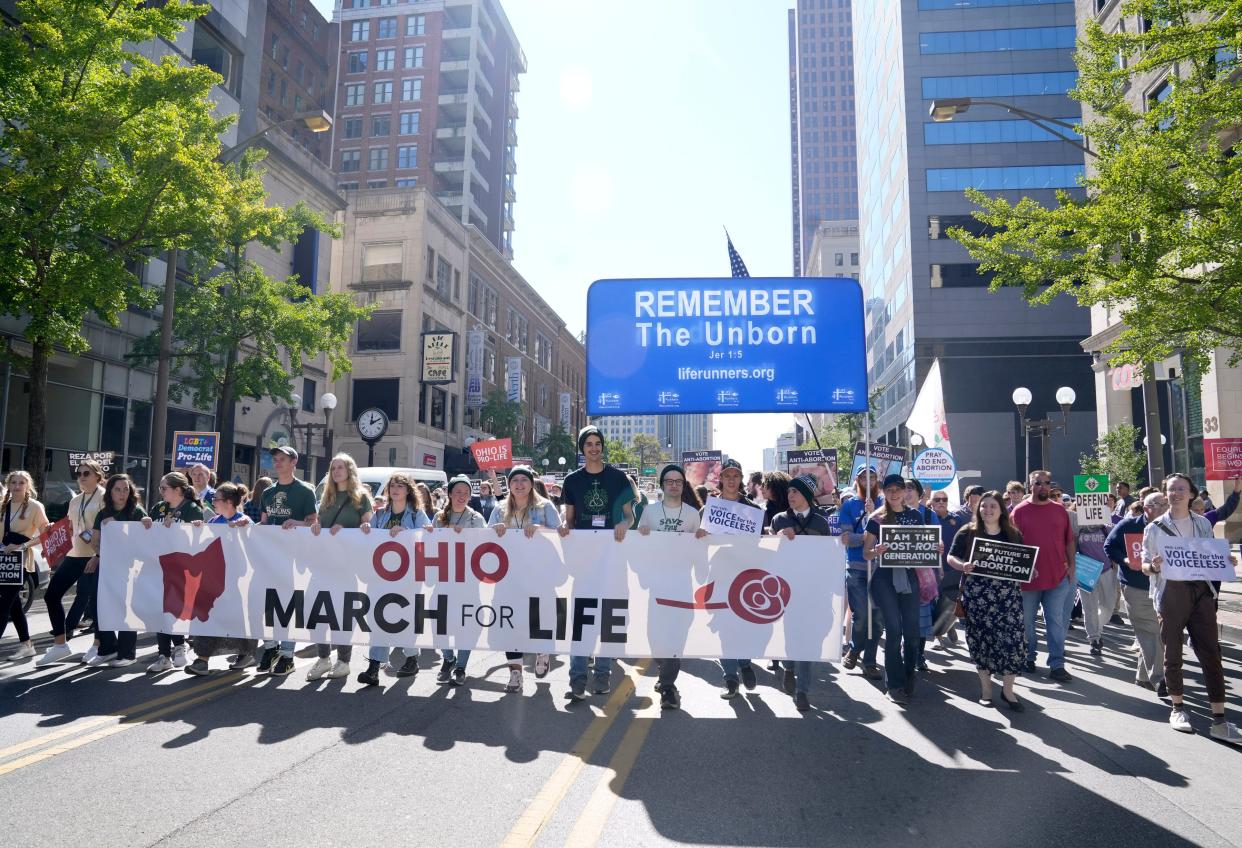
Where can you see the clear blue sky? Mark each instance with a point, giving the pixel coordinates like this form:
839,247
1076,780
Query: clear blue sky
645,127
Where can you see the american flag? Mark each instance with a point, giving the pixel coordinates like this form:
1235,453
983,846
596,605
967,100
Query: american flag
736,265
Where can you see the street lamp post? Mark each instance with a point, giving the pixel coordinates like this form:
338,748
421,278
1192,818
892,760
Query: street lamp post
316,122
327,402
947,108
1045,426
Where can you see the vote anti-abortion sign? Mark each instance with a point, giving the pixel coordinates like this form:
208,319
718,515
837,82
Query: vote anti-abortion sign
669,346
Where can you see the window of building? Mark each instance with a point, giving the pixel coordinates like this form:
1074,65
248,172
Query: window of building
356,94
415,25
379,393
385,60
409,123
474,295
444,277
994,40
839,260
959,275
516,330
210,49
938,226
377,159
411,89
377,183
381,332
381,261
350,186
360,31
407,156
431,265
381,126
381,92
988,132
358,4
452,423
309,393
284,89
853,258
1155,97
405,182
999,85
932,5
386,28
491,307
543,351
351,160
357,62
422,403
414,57
1015,177
438,404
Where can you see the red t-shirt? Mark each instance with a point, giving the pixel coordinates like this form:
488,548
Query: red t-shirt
1047,527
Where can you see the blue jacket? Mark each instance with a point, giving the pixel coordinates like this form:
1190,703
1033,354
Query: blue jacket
413,519
852,519
1115,547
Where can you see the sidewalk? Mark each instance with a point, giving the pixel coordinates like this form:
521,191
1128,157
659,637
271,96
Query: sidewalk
1229,612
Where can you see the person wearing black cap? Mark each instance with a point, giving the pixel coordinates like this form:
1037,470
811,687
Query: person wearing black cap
895,592
731,490
525,510
457,515
597,496
852,523
801,519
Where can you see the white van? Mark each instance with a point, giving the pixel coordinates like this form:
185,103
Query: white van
376,478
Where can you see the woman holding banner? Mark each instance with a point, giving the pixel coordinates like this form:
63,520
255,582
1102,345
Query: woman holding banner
116,649
995,633
895,591
23,522
180,504
525,510
80,560
731,490
458,515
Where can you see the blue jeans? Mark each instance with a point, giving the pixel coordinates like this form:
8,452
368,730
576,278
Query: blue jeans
458,658
802,674
856,593
1056,621
377,654
732,668
286,647
578,669
900,613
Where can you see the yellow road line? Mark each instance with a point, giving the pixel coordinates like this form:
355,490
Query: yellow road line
526,830
590,825
127,712
127,723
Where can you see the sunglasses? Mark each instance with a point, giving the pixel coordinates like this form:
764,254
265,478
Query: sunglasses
86,472
940,500
1041,483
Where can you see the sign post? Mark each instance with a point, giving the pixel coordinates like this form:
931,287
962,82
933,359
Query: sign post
1091,499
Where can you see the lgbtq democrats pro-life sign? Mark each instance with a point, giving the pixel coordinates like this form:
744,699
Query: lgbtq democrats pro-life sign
747,344
663,595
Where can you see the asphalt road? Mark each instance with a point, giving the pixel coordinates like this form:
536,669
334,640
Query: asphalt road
115,757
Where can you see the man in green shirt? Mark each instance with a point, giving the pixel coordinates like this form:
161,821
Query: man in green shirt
288,503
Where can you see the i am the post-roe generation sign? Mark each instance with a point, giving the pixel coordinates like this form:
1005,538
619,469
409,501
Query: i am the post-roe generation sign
751,344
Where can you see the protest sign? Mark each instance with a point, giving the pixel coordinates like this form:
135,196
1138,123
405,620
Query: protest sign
702,468
887,459
57,540
678,346
1222,459
1134,551
1087,571
12,568
731,518
1190,558
910,546
821,464
1003,560
1091,500
663,595
106,459
493,454
934,468
190,449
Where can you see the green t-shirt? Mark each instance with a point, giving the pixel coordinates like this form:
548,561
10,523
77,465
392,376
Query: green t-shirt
343,512
186,512
135,514
295,500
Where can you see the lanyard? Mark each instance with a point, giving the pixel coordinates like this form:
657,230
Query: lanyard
82,505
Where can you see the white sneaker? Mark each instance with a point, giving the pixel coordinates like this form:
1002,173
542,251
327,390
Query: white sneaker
121,662
515,680
23,652
1226,732
161,665
178,658
321,667
100,659
1179,722
89,656
542,663
339,669
55,654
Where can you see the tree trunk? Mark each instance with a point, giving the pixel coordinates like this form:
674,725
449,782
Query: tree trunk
226,412
36,416
159,405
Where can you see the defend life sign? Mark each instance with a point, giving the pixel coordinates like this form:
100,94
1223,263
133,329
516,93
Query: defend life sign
1190,558
668,346
664,595
730,518
1003,560
1091,500
910,546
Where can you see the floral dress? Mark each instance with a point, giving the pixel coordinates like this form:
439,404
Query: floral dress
995,632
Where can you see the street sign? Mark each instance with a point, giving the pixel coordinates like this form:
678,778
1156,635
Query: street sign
673,346
1091,499
649,472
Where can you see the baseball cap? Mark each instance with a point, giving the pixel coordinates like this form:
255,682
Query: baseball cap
894,480
287,451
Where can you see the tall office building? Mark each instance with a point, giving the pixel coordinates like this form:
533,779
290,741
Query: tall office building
685,433
426,96
926,299
823,147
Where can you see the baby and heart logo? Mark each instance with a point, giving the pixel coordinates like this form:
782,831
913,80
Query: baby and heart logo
754,595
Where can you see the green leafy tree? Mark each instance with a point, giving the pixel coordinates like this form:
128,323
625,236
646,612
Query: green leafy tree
239,333
649,451
108,157
616,453
1158,238
500,416
1116,455
556,444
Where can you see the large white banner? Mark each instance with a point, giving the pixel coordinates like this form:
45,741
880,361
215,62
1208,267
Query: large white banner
664,595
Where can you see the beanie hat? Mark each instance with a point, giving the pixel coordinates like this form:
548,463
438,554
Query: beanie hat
806,486
672,466
520,469
460,478
588,430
